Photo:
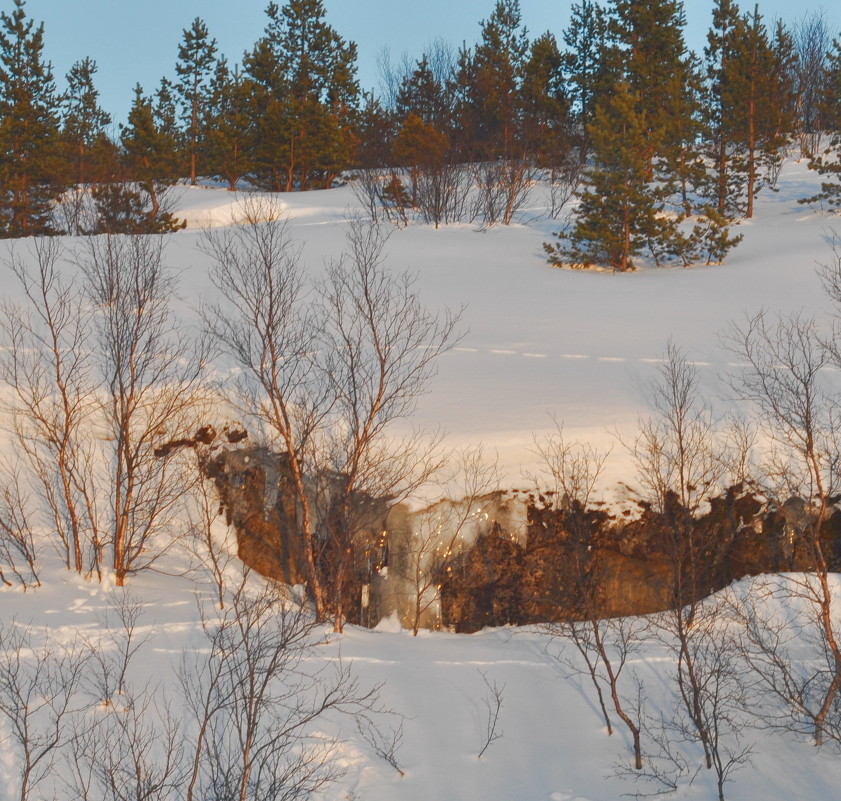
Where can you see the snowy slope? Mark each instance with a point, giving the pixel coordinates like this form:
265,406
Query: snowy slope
538,341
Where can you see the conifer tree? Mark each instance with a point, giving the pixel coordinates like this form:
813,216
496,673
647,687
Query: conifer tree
828,161
150,154
84,124
546,128
375,128
195,67
761,116
680,153
498,65
652,51
585,60
227,125
308,95
30,147
749,104
419,146
461,90
619,214
422,94
720,98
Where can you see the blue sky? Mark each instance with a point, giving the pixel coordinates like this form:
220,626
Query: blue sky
138,41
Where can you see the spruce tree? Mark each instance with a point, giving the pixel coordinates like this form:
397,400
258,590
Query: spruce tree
195,67
31,168
84,126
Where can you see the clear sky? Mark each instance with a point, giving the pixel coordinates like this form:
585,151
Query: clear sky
135,41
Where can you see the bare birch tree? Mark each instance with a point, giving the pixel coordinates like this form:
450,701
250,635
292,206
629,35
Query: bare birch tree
266,328
49,365
787,383
151,372
39,693
381,347
255,699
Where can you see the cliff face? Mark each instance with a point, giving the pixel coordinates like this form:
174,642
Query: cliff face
257,496
507,557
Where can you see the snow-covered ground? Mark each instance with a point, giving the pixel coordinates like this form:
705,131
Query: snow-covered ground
543,342
538,342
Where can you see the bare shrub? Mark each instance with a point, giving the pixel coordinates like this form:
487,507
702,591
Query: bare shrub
39,694
502,189
49,364
152,373
381,348
255,701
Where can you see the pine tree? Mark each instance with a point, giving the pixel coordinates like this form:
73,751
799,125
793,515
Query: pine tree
307,95
375,128
585,60
620,210
828,161
150,154
419,146
84,124
720,97
227,125
195,66
749,102
546,125
761,116
651,54
31,168
422,94
680,154
498,65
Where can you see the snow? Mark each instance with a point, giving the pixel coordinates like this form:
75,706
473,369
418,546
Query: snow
538,342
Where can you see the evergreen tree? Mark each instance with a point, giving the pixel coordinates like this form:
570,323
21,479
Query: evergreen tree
651,55
828,161
422,94
546,128
585,60
30,147
419,146
749,103
84,123
227,125
461,91
761,116
308,93
620,210
498,66
720,98
195,67
680,153
150,154
375,128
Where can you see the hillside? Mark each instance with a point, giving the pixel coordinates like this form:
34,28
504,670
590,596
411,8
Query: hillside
538,342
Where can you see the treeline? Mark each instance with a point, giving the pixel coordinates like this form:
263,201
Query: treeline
618,110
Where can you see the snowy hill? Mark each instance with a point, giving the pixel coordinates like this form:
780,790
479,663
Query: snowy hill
538,341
